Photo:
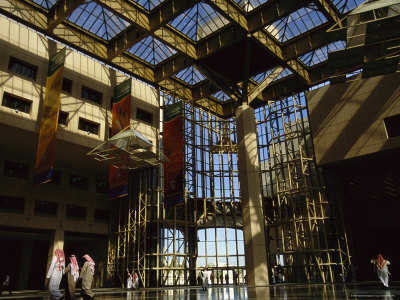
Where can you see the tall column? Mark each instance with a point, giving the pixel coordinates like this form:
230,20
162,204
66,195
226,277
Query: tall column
56,243
250,188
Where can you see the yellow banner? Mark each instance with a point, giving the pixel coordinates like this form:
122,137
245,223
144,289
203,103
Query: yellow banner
49,119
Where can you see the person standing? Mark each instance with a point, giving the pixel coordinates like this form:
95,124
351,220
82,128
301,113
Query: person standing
136,281
381,268
86,275
129,281
72,271
204,275
5,285
227,277
212,278
55,274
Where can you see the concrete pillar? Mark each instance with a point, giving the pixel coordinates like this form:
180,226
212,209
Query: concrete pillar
250,188
56,243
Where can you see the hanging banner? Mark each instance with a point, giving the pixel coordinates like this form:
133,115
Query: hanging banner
173,149
49,119
121,116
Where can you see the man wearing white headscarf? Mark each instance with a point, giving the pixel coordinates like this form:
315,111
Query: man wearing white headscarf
73,274
86,275
55,274
381,268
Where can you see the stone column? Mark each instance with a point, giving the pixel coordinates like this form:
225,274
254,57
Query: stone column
250,188
56,243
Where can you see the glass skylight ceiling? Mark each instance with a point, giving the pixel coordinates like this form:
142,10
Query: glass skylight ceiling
47,4
199,21
190,75
151,50
296,23
345,6
98,20
221,96
321,54
249,5
149,4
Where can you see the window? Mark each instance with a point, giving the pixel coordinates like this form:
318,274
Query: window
15,169
12,204
92,95
88,126
23,68
392,125
76,212
67,85
144,116
101,215
63,118
101,186
16,103
45,208
78,182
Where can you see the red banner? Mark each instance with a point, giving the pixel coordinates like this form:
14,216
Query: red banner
173,150
121,116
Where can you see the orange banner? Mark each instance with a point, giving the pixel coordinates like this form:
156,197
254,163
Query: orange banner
49,119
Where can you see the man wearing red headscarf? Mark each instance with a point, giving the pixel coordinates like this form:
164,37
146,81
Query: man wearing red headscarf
86,275
73,274
381,267
55,274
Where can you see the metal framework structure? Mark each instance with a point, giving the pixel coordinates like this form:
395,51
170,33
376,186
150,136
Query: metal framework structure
168,246
304,230
212,55
187,47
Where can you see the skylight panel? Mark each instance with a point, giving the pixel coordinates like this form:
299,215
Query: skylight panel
296,23
47,4
149,4
345,6
151,50
321,54
98,20
190,75
249,5
199,21
221,96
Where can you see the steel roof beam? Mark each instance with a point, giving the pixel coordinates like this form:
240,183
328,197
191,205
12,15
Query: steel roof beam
129,11
60,11
167,11
272,11
329,10
263,84
171,66
275,49
311,41
25,13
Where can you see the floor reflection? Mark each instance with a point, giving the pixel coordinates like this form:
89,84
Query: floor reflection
281,292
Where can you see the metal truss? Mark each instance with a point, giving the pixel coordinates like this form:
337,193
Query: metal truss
305,236
133,230
127,24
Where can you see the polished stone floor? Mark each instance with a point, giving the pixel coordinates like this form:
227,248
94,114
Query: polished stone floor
283,292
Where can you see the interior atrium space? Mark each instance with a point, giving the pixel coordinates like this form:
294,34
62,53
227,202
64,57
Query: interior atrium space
250,144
